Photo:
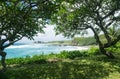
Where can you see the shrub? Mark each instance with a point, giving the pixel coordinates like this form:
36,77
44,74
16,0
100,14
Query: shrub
93,51
63,54
72,54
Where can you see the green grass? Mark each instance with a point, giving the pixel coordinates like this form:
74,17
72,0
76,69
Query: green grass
60,66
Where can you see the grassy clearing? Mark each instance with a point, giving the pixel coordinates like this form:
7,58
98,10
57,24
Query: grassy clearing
98,67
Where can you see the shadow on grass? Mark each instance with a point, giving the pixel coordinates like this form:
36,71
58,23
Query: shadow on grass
79,69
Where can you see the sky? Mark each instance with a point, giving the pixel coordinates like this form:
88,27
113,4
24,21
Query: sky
49,35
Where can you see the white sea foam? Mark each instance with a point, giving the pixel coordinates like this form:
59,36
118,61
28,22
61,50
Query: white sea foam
26,46
83,48
48,47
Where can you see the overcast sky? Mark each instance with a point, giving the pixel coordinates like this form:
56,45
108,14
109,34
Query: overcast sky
48,36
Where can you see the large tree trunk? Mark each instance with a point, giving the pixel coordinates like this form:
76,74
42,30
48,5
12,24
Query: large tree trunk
101,46
108,54
3,56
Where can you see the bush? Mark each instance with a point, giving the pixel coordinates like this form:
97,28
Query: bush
63,54
75,54
72,54
93,51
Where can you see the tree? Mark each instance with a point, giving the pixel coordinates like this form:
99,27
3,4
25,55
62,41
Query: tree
22,18
76,16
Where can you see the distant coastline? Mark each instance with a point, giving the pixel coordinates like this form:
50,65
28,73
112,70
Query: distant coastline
77,41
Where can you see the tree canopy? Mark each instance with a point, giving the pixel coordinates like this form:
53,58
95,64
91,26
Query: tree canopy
76,16
22,18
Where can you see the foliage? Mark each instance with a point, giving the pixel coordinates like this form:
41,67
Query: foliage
20,19
76,16
72,54
93,51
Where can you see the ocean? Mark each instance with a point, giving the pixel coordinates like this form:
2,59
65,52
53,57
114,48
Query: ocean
23,50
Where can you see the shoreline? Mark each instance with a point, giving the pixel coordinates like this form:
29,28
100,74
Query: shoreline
39,49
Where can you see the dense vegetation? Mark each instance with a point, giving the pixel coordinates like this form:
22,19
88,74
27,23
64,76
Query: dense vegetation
75,17
89,64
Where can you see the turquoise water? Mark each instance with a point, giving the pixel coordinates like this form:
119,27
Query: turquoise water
23,50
